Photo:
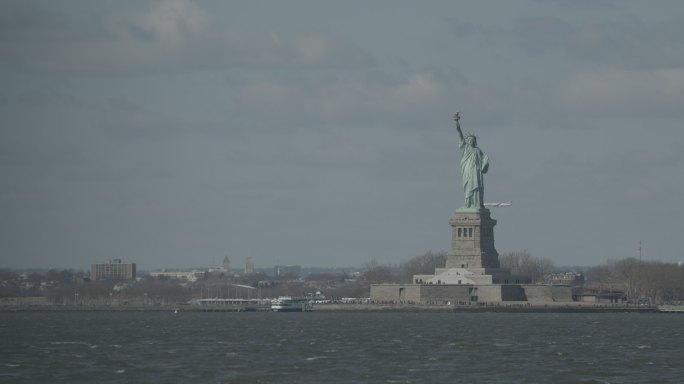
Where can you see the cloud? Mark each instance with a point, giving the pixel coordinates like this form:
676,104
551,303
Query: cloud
581,4
351,99
464,29
166,22
627,42
27,22
162,37
277,102
635,93
597,66
579,98
623,40
36,155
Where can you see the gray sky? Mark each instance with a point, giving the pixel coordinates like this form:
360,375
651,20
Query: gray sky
172,133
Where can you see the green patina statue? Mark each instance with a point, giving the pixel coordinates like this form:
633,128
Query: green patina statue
474,164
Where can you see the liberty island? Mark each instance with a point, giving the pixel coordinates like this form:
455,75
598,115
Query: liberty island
472,274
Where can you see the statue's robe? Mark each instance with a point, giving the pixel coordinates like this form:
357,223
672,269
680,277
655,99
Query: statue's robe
474,164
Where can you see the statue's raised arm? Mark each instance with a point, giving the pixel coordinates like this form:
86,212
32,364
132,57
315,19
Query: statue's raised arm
457,117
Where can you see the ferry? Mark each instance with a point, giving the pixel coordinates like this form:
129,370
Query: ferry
234,305
291,304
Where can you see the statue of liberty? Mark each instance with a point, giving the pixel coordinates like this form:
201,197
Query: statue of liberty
474,164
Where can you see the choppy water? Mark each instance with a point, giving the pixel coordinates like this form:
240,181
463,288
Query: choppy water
342,347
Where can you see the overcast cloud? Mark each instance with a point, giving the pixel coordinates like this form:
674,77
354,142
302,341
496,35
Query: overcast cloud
172,133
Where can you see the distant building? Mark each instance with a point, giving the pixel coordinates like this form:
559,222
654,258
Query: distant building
249,266
112,270
218,271
226,263
565,278
598,294
287,270
185,276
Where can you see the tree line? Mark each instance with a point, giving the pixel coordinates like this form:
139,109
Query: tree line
650,282
642,282
520,263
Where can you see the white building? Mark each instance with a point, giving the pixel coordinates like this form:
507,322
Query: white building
190,277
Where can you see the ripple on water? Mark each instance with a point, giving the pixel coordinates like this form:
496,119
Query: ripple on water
342,347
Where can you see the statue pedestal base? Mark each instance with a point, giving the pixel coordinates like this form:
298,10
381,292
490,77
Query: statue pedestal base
472,240
472,273
472,258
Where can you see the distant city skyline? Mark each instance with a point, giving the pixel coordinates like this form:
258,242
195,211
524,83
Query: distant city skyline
170,133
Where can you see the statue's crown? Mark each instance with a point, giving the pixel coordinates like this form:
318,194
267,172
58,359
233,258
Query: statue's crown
468,134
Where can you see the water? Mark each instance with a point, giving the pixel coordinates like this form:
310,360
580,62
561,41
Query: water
341,347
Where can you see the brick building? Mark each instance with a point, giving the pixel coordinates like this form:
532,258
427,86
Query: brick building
112,270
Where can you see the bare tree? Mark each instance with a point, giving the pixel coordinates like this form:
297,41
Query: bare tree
521,263
652,281
421,265
375,273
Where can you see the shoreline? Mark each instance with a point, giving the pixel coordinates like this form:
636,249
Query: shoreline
510,308
515,308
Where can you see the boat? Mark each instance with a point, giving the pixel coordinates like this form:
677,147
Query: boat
234,305
291,304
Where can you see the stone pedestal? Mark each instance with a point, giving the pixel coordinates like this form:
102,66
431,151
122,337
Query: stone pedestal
472,258
472,272
472,241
